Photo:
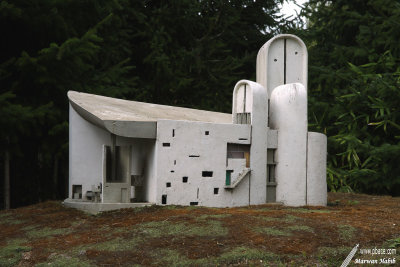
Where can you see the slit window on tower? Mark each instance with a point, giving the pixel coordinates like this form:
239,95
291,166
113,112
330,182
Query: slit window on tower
164,199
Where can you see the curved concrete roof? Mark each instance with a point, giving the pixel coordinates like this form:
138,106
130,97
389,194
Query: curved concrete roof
135,119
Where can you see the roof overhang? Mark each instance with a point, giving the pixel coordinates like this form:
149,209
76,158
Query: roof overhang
132,118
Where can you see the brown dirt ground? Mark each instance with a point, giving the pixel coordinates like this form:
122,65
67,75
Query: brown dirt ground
372,221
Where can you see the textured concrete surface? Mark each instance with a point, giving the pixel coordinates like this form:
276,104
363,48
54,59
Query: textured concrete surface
288,114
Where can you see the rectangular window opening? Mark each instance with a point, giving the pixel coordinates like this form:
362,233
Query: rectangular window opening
164,199
194,156
168,184
116,163
184,179
194,203
172,171
207,132
174,162
76,191
228,177
216,191
166,144
173,132
207,173
238,151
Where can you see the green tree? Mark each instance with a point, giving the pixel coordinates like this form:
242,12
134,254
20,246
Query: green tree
354,90
51,47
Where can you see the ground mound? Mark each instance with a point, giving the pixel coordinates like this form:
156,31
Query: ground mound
272,235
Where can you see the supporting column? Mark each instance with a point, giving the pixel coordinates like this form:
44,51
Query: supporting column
316,169
288,115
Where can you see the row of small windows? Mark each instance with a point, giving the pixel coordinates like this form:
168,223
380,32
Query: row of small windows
205,132
216,189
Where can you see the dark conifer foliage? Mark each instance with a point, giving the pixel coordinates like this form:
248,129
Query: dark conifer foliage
185,53
354,90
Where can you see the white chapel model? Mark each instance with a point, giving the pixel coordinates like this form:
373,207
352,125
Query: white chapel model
126,153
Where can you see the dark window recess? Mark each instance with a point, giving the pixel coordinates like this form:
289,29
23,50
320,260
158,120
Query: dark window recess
174,162
194,203
194,156
164,199
108,160
242,139
166,144
206,173
216,190
184,179
168,184
173,132
172,171
207,132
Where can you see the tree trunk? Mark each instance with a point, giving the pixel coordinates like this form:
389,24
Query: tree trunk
6,180
55,178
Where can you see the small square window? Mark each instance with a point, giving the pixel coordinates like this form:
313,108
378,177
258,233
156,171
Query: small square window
216,190
184,179
168,184
207,132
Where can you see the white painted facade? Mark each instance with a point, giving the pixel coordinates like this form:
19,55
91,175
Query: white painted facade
125,153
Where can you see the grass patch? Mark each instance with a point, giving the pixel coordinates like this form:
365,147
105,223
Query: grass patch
346,232
163,228
303,210
290,218
272,231
10,254
212,216
303,228
117,244
353,202
287,219
7,218
392,243
4,215
64,261
45,232
333,256
243,254
170,257
237,255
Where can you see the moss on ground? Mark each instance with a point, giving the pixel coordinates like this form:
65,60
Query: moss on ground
346,232
61,260
45,232
272,231
163,228
238,255
10,254
303,228
117,244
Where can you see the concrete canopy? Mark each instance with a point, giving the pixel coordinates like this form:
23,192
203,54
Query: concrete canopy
135,119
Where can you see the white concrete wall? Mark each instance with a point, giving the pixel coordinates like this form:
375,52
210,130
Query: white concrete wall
316,169
174,162
282,60
288,114
255,102
85,152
